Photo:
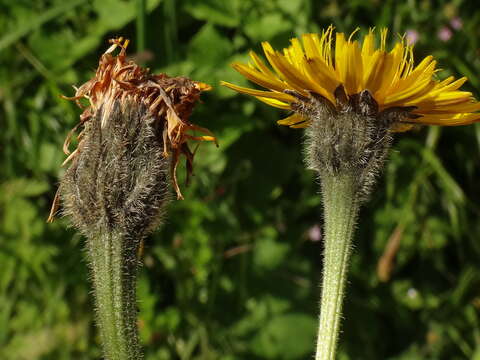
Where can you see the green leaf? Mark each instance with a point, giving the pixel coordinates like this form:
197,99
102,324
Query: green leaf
23,187
37,20
286,337
225,13
269,253
209,48
266,27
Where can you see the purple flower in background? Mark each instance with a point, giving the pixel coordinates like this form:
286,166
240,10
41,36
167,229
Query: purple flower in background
456,23
444,34
412,36
315,233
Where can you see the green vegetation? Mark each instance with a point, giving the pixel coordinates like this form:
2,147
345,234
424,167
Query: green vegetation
234,272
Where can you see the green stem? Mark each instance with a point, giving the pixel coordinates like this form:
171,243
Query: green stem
113,264
341,206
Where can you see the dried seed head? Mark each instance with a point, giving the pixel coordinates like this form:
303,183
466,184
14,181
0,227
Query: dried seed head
133,133
352,137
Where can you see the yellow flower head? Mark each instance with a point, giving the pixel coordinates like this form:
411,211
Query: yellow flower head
331,67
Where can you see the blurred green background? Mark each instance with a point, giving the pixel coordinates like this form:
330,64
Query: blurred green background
234,271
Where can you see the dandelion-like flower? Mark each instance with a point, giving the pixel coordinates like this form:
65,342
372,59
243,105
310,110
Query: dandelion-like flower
351,97
339,70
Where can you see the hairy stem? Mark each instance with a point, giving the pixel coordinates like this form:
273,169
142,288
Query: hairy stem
114,268
341,206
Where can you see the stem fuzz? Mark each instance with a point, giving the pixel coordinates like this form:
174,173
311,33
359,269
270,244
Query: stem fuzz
341,206
114,270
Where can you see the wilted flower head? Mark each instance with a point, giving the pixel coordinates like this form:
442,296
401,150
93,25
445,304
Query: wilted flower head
133,132
329,66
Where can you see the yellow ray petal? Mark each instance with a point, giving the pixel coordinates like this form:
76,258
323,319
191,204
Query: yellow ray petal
354,68
311,42
464,107
261,65
292,120
265,94
390,70
340,57
300,82
368,46
275,103
448,120
259,78
412,93
286,71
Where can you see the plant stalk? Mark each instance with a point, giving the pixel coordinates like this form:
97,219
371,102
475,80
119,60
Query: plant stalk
341,206
114,269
